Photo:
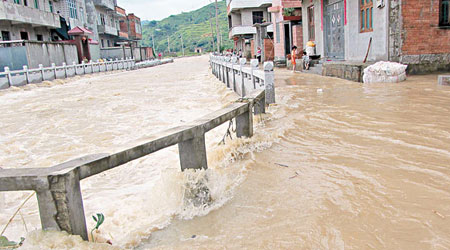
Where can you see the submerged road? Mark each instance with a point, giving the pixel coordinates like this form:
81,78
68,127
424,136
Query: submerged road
348,166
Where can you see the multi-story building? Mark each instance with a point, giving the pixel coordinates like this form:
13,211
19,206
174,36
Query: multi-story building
288,31
27,20
242,16
107,22
73,11
123,23
134,27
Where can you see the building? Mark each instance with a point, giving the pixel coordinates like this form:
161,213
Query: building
123,24
134,27
106,20
242,16
27,20
413,32
288,31
73,11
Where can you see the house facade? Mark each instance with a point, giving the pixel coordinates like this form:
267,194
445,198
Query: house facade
242,16
412,32
27,20
288,31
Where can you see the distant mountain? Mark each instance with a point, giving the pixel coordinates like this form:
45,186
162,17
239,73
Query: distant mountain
194,26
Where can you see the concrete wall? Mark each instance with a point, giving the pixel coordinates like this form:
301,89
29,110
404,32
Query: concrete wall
13,57
48,53
115,53
95,51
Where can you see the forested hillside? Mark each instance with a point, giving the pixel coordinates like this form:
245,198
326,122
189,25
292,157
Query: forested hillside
194,26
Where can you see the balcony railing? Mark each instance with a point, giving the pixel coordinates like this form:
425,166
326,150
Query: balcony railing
107,4
24,14
105,29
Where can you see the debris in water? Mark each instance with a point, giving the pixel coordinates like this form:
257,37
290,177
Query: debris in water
296,174
439,214
193,236
281,165
198,194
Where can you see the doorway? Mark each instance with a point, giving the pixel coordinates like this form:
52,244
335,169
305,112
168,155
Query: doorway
287,38
334,29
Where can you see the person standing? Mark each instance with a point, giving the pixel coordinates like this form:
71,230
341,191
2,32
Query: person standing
258,54
293,57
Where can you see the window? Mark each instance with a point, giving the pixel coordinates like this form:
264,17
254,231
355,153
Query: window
24,35
40,37
103,43
311,25
230,23
6,36
25,2
258,17
102,19
36,4
366,16
109,44
72,9
50,5
444,16
17,1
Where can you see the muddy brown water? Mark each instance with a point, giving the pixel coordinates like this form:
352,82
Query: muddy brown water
333,165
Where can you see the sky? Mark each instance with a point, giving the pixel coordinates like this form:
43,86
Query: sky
160,9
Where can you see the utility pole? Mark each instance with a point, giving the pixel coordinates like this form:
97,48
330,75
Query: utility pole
168,43
182,44
212,32
217,28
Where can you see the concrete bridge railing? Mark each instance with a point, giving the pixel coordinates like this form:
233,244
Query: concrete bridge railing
26,76
242,78
58,188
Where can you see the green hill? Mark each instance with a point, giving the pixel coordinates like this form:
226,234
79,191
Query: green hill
194,26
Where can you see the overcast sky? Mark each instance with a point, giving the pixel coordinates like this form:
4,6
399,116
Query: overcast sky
159,9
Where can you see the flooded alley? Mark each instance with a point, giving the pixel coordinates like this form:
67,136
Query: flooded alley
333,165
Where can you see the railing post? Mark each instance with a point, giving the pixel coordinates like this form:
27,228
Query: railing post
242,62
74,68
193,153
84,67
244,123
54,69
234,61
269,85
41,67
65,69
8,75
260,106
254,65
92,67
61,204
227,75
27,74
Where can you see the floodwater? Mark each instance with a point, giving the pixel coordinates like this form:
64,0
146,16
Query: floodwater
333,165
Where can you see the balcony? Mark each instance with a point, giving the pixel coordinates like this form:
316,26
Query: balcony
105,29
105,4
17,13
246,30
236,5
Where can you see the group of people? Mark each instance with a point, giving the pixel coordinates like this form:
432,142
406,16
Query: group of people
305,59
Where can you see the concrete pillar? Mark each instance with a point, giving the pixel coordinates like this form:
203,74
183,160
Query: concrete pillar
260,106
269,82
92,66
27,74
65,70
54,69
8,75
244,124
74,68
242,62
61,205
254,63
234,61
41,67
193,153
84,67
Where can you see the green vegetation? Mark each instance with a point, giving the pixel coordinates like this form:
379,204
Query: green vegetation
194,26
99,220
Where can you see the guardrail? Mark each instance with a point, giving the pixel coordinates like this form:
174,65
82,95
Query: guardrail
26,76
58,188
243,79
